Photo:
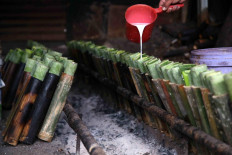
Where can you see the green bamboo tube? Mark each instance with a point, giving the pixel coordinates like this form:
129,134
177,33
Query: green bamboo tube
201,109
210,114
48,59
36,57
217,84
207,79
39,51
203,77
30,64
195,73
187,77
228,81
174,87
159,65
167,70
221,102
186,105
192,102
152,69
20,117
58,101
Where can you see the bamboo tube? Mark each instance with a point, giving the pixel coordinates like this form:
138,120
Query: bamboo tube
203,77
187,77
161,94
221,102
137,110
36,57
210,114
125,77
159,65
153,120
30,64
6,61
201,109
41,105
152,69
179,102
8,78
28,99
217,117
186,105
228,81
192,102
176,110
17,76
140,90
217,84
58,101
195,73
157,101
167,92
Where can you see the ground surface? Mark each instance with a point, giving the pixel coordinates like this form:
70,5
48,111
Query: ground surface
116,131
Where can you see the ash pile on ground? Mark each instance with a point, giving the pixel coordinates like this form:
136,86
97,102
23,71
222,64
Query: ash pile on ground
117,132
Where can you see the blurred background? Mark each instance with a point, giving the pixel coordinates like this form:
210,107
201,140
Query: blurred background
200,24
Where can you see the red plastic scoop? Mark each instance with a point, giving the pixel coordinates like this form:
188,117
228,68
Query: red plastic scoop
141,13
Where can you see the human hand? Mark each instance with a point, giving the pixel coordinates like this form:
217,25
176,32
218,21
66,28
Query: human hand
166,3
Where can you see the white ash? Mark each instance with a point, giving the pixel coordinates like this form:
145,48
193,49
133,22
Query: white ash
116,131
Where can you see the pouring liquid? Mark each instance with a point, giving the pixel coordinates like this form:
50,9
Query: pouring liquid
140,27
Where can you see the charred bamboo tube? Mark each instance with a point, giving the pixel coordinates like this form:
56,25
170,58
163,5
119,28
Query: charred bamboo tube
140,91
174,87
169,96
6,61
217,118
192,102
161,94
28,99
221,102
41,105
8,78
17,76
186,105
228,81
58,101
78,126
137,110
210,114
20,91
178,124
156,101
201,109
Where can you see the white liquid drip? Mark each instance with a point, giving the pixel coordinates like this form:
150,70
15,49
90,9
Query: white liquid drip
140,27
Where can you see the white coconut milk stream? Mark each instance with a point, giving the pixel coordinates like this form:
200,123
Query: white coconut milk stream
140,27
